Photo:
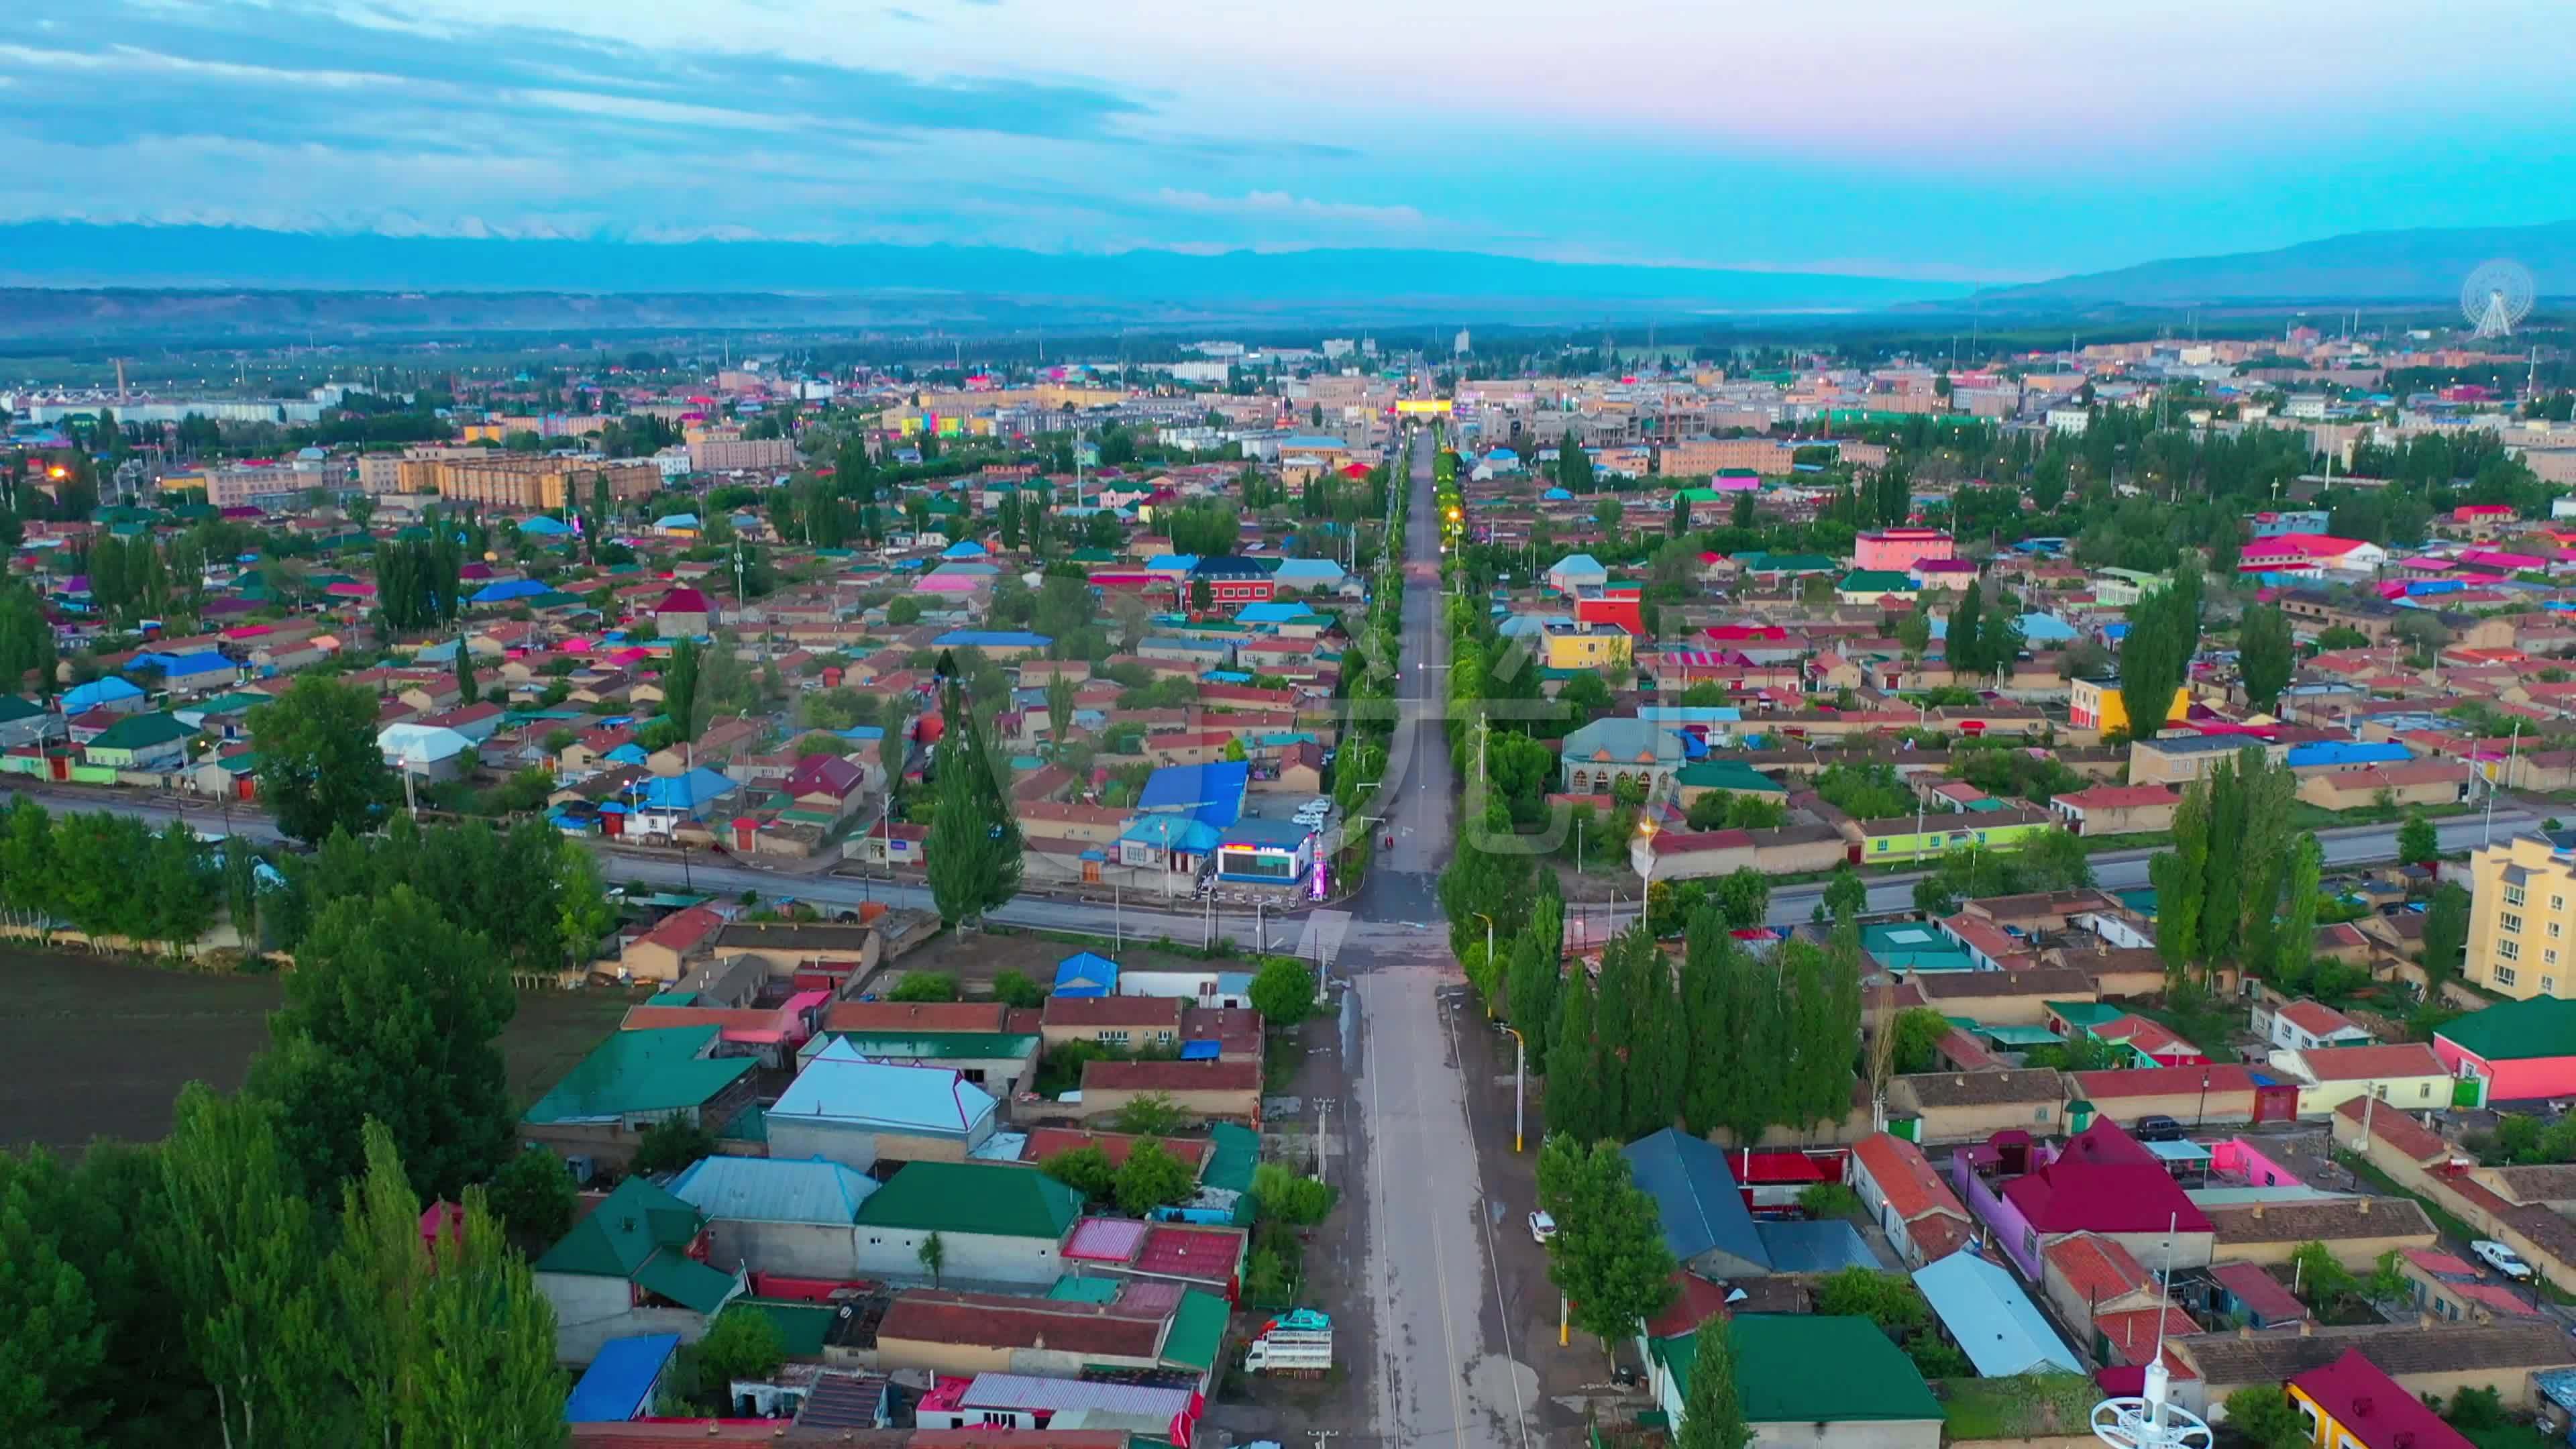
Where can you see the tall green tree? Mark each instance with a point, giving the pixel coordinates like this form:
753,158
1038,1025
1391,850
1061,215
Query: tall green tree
2264,654
680,689
1574,1103
2180,876
57,1339
2297,951
1966,646
319,767
393,1013
2446,932
2417,841
467,692
2155,656
239,1254
1536,972
974,860
1608,1257
1713,1409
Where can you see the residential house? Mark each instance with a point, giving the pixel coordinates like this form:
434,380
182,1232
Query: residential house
997,1225
2439,1360
2404,1075
1705,1221
853,1110
154,742
1973,1106
2515,1051
1208,1089
2352,1403
2117,809
2357,1230
2300,1025
778,1215
1983,1310
635,1264
634,1079
1922,1218
1873,1399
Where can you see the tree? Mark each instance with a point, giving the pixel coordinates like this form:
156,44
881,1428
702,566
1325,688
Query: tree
975,858
467,692
1087,1170
238,1255
680,689
2263,1416
2446,932
1744,897
1284,992
1151,1115
1059,706
1608,1256
2417,842
1018,989
2155,656
1573,1092
56,1342
1846,895
933,1254
670,1144
2264,654
1966,646
929,986
1152,1178
1712,1409
393,1013
1917,1034
743,1343
534,1197
319,767
2298,931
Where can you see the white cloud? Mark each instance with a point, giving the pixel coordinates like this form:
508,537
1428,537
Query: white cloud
1280,205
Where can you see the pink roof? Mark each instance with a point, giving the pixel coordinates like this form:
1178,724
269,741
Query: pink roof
682,601
2259,1291
2374,1408
1209,1255
1105,1240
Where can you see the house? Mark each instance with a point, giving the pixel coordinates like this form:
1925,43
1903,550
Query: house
2514,1051
2097,704
1231,581
151,742
2302,1024
1882,588
1605,753
2085,1275
2220,1092
1984,1311
1202,1088
854,1110
2103,1181
683,613
996,1224
1900,549
2405,1075
23,722
2352,1403
826,784
778,1215
2117,809
2457,1291
634,1079
1973,1106
676,942
1175,1340
2357,1230
2439,1359
1706,1223
1000,1061
1265,852
1584,646
1576,572
1086,975
636,1264
425,752
623,1380
1873,1399
1922,1218
108,693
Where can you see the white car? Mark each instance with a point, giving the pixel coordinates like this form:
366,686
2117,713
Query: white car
1542,1227
2501,1258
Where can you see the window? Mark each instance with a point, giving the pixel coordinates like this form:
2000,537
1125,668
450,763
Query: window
2549,985
2504,976
2509,950
2553,930
2513,895
1113,1038
2558,903
2508,921
2549,957
2423,1091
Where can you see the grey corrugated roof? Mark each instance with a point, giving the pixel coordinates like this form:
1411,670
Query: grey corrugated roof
1992,1320
1695,1197
839,1084
1825,1245
774,1190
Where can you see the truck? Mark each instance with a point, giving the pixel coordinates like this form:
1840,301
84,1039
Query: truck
1299,1342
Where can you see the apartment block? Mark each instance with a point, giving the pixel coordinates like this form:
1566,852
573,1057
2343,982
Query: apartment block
524,482
2521,925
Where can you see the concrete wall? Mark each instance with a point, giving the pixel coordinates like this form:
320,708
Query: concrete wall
589,1311
807,1250
971,1258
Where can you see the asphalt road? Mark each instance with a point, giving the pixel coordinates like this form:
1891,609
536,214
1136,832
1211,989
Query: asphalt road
1440,1364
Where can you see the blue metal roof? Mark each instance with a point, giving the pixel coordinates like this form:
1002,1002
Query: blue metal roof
774,1190
619,1382
1696,1198
1991,1318
1212,793
690,792
839,1084
506,590
1086,973
991,639
2349,752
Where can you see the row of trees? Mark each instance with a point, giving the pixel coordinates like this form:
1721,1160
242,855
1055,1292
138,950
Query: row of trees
1726,1041
2219,890
2155,656
1977,645
113,876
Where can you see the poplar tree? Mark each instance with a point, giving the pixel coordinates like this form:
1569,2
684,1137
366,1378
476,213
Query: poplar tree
2264,654
1966,647
1573,1088
1713,1409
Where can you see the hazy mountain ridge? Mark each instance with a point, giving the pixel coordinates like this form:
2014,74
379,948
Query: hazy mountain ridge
2424,265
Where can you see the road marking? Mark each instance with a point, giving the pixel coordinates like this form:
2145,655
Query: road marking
1493,1260
1440,1281
1387,1331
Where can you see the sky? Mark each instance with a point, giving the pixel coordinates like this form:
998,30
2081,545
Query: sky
1995,141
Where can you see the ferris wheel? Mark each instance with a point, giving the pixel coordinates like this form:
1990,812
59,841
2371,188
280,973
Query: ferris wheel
2496,297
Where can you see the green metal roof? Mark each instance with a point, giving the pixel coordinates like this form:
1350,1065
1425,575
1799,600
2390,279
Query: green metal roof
685,1281
2085,1015
941,1046
14,708
1197,1332
1233,1153
1884,580
2517,1030
970,1197
660,1069
802,1325
623,1233
1726,775
1776,1355
141,731
1070,1289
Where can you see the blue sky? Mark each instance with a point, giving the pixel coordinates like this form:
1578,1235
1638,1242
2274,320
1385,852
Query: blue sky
1988,141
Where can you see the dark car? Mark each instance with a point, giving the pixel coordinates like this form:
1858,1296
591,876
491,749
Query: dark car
2158,1129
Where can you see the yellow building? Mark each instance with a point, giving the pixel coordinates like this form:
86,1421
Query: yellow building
507,481
2096,704
2521,927
1586,646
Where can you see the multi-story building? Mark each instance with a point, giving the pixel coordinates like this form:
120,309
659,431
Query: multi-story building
2522,919
525,482
734,455
1689,456
1900,549
1586,646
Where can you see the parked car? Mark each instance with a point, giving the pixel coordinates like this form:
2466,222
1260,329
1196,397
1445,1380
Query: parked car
2501,1258
2158,1128
1542,1227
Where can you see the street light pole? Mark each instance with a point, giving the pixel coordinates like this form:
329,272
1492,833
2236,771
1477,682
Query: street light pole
1520,1084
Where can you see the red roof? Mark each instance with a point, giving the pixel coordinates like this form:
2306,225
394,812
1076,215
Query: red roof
2357,1063
2259,1291
1172,1076
1695,1301
683,930
1046,1142
682,601
2104,1192
1003,1321
1129,1011
2374,1408
2316,1018
2162,1081
2098,1269
2120,797
1202,1255
1905,1177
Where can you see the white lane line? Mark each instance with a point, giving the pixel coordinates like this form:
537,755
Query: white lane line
1440,1278
1389,1332
1493,1260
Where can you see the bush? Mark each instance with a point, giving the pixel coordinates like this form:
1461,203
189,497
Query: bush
1015,988
1087,1170
1829,1200
1151,1115
1289,1198
924,986
671,1144
1284,992
534,1197
2476,1409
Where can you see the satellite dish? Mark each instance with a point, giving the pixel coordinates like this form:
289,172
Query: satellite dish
2496,297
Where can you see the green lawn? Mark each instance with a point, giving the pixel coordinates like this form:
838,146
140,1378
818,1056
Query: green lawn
2514,1435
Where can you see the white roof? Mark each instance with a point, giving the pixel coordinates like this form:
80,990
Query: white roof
838,1084
417,744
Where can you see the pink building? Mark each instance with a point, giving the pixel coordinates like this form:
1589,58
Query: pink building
1900,549
2517,1050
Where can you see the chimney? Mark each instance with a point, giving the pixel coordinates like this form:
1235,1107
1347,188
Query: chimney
2307,1328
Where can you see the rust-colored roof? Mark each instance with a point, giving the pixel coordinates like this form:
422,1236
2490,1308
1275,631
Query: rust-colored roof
1002,1321
975,1016
2398,1130
1905,1177
1046,1142
1128,1011
2359,1063
2098,1269
1171,1076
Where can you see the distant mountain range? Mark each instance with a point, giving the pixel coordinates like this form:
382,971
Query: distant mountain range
79,282
2370,267
757,283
